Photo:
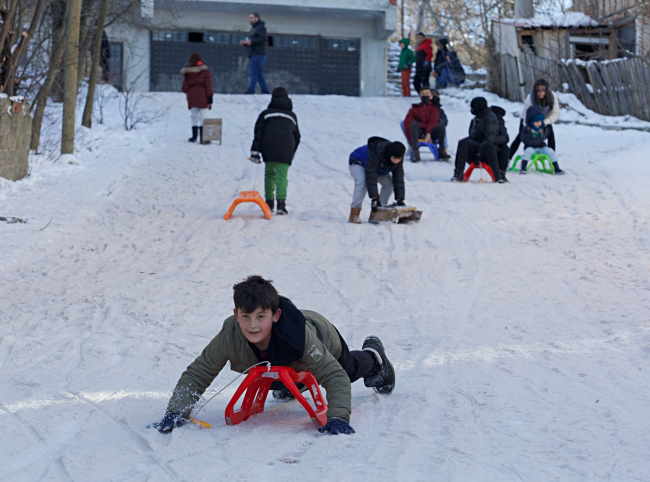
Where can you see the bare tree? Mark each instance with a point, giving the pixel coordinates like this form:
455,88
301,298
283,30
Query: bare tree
88,109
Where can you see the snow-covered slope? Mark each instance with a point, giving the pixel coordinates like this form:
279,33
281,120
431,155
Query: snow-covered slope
516,315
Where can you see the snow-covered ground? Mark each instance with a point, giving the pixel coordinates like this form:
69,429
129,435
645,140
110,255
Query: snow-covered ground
516,315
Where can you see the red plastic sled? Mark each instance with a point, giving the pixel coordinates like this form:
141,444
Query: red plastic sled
479,165
257,385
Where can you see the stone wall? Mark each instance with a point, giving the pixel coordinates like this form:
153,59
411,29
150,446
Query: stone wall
15,135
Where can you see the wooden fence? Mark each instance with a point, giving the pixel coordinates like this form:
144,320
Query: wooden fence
619,87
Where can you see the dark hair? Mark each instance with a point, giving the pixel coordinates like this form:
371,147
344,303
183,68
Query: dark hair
280,92
256,15
195,58
395,149
548,98
255,292
421,33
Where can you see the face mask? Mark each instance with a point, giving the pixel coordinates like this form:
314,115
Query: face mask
425,99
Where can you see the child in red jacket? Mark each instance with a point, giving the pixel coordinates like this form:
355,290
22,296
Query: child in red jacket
426,120
197,86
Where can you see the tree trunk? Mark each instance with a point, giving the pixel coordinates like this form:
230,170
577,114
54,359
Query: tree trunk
44,91
88,109
70,61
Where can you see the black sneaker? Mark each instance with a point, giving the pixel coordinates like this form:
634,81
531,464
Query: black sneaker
559,172
281,208
283,394
382,379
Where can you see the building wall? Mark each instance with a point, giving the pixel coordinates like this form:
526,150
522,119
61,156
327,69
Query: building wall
372,28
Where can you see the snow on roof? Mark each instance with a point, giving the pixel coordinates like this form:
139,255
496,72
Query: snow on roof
568,20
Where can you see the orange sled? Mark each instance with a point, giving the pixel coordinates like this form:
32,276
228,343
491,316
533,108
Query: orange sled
249,197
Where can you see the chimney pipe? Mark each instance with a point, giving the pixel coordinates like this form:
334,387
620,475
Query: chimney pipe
524,9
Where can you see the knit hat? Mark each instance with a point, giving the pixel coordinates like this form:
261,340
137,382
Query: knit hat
478,105
537,118
395,149
280,92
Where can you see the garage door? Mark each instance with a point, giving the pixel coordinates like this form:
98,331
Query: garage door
302,64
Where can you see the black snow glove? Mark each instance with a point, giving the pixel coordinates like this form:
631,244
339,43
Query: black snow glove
374,204
336,426
400,202
255,157
169,422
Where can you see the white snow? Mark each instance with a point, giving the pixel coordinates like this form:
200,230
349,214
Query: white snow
566,20
516,315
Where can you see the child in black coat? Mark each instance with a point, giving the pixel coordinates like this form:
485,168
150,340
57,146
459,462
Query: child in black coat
533,136
276,139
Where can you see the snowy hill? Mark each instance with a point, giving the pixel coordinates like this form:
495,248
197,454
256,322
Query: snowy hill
516,315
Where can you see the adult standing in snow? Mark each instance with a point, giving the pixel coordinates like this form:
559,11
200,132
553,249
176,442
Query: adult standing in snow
382,175
197,86
542,96
256,44
423,57
447,68
276,139
480,143
406,59
425,120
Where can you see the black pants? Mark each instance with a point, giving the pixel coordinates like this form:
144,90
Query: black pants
515,144
503,156
437,135
357,364
421,79
469,152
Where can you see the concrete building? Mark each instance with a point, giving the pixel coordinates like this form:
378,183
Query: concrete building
315,46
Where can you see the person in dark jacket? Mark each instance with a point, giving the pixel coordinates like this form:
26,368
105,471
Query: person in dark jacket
423,56
276,139
424,121
385,157
534,136
480,144
501,141
256,44
357,161
197,86
447,68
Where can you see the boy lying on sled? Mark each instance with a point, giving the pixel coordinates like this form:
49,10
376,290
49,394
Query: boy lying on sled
268,327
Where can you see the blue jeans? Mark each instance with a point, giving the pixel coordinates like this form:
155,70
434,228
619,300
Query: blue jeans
447,76
255,65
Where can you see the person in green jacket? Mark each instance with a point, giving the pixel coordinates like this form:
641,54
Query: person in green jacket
406,59
267,327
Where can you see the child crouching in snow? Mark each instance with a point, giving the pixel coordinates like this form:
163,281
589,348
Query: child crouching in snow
379,161
534,135
268,327
276,139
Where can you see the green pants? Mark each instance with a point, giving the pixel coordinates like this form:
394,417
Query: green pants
275,178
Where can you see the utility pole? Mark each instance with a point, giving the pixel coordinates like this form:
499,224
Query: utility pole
70,62
87,118
403,18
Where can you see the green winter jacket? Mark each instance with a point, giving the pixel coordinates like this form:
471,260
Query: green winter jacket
321,348
406,57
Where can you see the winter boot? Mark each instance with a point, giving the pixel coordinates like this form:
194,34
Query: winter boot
558,171
281,208
271,203
503,177
416,156
201,136
443,154
283,394
523,167
354,216
382,378
458,176
195,134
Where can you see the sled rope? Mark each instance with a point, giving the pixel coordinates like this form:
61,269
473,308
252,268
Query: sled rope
268,369
257,170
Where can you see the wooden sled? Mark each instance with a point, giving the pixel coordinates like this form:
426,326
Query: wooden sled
212,131
395,214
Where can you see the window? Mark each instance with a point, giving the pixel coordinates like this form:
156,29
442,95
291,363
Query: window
195,37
